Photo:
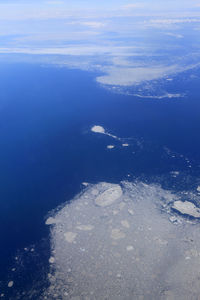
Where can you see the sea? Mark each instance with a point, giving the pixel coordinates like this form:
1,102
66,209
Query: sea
48,150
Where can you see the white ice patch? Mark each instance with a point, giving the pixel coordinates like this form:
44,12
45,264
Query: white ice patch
85,227
50,221
127,76
100,129
109,196
51,260
10,284
133,250
70,236
187,208
85,183
166,95
110,146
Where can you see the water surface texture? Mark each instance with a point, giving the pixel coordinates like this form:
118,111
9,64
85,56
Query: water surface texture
100,150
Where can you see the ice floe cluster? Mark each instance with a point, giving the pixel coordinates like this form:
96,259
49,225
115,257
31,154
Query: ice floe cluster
116,241
100,129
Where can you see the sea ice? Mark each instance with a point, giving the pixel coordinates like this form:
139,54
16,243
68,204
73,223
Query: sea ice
110,146
10,284
135,253
51,260
98,129
109,196
187,208
50,221
117,234
70,236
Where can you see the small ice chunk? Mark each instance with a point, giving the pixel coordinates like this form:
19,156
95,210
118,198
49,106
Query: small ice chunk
98,129
50,221
70,236
85,227
10,284
125,145
198,189
109,196
174,220
131,212
110,146
85,183
129,248
125,223
51,260
175,173
117,234
187,208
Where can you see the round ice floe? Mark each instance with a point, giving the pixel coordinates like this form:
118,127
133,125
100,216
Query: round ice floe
98,129
51,260
10,284
109,196
187,208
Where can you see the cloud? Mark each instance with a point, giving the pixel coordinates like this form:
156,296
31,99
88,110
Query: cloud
107,52
133,5
92,24
173,21
54,2
126,50
176,35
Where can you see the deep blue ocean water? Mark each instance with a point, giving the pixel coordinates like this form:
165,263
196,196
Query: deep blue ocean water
47,149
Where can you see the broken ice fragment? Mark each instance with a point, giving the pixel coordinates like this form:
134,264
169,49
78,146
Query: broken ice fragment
187,208
117,234
70,236
10,284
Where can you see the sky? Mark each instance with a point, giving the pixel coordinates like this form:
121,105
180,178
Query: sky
141,40
61,8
